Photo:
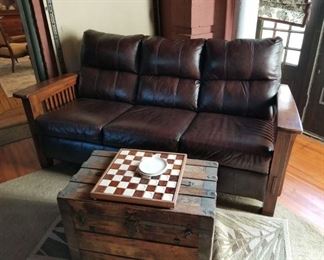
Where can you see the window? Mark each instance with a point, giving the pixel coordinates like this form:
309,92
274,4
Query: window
292,37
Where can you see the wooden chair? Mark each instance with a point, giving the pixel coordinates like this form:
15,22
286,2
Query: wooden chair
13,43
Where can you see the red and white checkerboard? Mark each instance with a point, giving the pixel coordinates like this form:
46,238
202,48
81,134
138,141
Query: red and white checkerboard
121,181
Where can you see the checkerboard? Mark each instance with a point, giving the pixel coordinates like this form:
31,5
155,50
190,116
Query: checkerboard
122,182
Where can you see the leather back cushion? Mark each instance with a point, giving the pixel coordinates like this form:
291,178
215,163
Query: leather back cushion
170,72
109,66
241,77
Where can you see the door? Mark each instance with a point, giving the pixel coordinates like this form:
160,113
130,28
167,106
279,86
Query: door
314,110
292,39
303,48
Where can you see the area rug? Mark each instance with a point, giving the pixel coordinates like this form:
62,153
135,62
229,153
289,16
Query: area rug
237,236
22,77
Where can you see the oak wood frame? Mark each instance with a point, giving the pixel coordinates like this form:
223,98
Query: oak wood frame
288,126
44,97
52,94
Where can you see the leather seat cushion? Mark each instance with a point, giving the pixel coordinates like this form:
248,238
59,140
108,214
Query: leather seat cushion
82,119
148,127
237,142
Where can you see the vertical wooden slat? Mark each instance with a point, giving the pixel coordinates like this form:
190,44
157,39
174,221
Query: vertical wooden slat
51,102
67,95
63,97
72,90
56,102
59,99
70,94
47,105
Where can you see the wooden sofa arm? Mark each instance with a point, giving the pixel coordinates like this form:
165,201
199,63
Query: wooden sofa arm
288,116
48,95
288,127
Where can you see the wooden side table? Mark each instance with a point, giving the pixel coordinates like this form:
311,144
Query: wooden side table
98,229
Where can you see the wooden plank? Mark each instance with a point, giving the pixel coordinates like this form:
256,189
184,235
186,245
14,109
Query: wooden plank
196,162
86,175
136,226
104,153
88,255
201,172
193,172
193,162
205,244
199,188
191,187
134,248
187,206
67,216
97,162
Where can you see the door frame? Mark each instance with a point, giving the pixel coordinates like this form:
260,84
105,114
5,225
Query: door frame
301,83
308,54
40,47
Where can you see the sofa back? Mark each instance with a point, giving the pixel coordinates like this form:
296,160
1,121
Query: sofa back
170,72
241,77
109,66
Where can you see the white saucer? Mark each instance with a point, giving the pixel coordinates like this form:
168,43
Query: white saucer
152,166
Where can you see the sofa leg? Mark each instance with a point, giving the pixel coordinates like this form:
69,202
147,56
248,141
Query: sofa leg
269,205
46,162
283,146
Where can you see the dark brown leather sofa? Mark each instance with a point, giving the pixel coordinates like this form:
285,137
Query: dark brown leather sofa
211,99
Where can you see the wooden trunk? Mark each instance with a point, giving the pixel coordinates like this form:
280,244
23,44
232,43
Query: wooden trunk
112,230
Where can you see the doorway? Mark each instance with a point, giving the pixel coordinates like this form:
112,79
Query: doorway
302,64
313,112
16,72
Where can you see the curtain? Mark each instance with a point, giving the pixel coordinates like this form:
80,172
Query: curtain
285,11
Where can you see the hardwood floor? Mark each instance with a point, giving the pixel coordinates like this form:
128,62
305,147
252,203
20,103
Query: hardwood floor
7,103
11,111
17,159
303,191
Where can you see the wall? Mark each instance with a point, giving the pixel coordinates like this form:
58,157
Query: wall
73,17
246,18
197,18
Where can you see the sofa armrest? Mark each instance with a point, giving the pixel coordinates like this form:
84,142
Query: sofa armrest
288,126
48,95
288,116
47,87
